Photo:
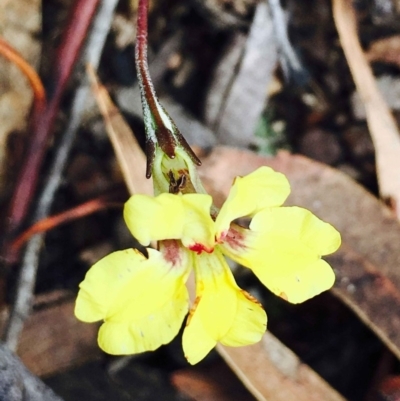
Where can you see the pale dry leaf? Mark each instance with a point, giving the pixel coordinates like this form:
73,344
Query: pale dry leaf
386,50
381,123
272,372
61,341
216,381
223,76
244,100
20,23
127,150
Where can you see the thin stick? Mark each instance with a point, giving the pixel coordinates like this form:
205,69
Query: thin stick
36,84
42,125
26,282
48,223
381,123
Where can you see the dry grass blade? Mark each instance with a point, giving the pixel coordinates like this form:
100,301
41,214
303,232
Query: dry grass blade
272,372
382,126
128,152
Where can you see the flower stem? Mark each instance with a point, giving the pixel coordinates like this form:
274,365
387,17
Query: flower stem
160,129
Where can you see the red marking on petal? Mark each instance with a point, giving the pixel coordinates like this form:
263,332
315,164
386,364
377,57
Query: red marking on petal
234,238
199,248
171,250
221,238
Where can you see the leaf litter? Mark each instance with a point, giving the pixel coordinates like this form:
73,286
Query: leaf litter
367,264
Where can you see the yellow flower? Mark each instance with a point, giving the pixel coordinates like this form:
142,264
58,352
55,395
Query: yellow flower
143,299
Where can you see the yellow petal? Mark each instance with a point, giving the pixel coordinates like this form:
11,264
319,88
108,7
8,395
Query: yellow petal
136,297
280,251
196,341
283,248
147,333
261,189
296,222
287,271
306,283
222,312
103,283
250,322
168,216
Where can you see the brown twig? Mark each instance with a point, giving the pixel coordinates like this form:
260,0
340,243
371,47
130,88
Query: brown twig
37,87
381,123
46,224
41,126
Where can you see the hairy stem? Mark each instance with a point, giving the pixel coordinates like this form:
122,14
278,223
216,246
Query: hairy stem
160,129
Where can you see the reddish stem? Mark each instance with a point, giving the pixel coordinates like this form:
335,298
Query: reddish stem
166,139
37,87
51,222
141,59
146,84
42,124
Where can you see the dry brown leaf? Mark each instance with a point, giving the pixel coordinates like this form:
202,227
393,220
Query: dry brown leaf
389,390
274,373
127,150
216,382
386,50
382,126
367,264
20,23
53,340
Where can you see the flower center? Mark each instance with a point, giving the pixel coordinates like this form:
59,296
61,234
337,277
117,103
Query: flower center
199,248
